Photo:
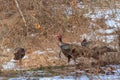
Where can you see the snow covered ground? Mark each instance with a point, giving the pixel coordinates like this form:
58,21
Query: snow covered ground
82,77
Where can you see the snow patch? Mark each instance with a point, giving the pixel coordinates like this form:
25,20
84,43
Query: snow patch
9,65
39,52
25,57
48,50
8,49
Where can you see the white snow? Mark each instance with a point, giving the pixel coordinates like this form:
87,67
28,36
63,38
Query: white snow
9,65
48,50
39,52
8,49
25,57
82,77
106,14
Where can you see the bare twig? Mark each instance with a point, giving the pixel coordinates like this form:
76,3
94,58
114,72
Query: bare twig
21,13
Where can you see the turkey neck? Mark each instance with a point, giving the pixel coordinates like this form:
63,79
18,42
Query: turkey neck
60,42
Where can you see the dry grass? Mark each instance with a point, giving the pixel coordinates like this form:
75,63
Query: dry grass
45,23
42,60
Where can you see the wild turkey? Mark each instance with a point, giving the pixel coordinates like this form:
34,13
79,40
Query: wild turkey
69,50
19,53
85,43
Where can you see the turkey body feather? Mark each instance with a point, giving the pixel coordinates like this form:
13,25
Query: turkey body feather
19,53
70,51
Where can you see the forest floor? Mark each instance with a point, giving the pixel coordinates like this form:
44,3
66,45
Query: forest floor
47,65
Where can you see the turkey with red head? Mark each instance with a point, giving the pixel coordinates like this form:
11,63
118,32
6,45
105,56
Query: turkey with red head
69,50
